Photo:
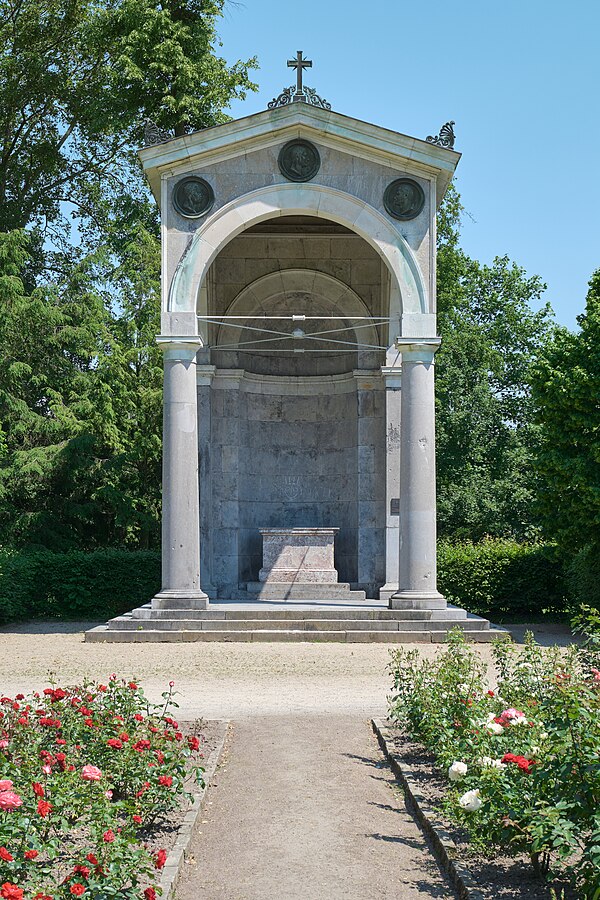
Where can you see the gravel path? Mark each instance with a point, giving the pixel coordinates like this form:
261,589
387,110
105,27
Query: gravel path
305,808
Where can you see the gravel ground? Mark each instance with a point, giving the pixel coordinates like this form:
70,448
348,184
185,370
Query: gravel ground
304,805
214,680
306,808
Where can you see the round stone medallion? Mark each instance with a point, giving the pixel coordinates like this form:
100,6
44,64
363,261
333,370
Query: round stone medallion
404,198
299,160
193,197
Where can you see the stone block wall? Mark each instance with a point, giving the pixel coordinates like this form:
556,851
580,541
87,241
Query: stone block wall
293,460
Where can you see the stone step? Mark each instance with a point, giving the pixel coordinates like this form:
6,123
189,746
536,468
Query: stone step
257,590
128,623
102,633
354,613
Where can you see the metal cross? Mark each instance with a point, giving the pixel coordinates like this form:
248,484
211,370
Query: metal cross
299,64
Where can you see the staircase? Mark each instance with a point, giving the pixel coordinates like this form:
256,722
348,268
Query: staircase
351,620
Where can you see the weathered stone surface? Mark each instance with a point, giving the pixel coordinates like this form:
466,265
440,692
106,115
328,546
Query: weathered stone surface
298,555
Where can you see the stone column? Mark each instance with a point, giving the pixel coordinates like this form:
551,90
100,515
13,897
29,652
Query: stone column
392,377
180,494
418,577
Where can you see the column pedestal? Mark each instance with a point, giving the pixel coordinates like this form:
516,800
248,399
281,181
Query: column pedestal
418,570
181,585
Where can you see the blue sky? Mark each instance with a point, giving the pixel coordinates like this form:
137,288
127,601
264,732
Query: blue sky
520,79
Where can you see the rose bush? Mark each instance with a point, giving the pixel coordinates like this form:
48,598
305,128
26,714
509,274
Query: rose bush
522,761
84,774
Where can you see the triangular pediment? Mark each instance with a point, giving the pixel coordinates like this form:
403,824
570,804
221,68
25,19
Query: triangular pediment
332,129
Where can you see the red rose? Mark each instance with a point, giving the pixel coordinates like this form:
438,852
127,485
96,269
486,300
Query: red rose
138,718
44,808
165,781
77,889
149,893
137,820
38,790
5,855
92,859
102,687
31,854
82,870
141,745
160,859
124,737
193,742
115,743
11,891
133,685
108,836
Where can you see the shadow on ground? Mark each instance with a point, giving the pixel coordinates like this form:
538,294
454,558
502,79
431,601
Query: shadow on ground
546,633
48,626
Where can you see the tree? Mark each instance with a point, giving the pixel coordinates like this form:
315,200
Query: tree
486,434
77,80
80,374
566,386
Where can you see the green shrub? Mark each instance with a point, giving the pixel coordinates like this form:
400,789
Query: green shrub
503,579
583,576
75,585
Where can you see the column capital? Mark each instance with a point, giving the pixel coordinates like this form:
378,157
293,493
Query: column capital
415,349
177,346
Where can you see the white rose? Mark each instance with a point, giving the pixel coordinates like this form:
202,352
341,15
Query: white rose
490,763
543,735
519,720
457,771
470,801
495,727
463,687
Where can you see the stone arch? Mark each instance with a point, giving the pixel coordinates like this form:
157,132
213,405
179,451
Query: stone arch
408,293
254,299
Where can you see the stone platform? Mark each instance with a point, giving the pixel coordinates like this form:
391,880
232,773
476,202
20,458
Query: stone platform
295,620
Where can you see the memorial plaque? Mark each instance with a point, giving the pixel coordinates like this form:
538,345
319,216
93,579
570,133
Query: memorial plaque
299,160
395,506
193,197
404,199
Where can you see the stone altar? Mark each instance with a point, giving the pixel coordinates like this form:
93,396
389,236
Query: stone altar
298,555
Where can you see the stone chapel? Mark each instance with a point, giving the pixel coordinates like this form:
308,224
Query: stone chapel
299,336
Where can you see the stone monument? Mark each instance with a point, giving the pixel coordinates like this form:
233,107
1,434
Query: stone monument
299,336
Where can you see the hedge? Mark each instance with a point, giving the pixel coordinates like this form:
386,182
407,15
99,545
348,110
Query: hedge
583,576
75,585
504,580
496,578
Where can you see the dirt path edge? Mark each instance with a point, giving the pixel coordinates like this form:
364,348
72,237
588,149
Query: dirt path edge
178,854
444,847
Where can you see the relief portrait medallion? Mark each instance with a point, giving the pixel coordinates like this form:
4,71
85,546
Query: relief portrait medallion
299,160
404,198
193,197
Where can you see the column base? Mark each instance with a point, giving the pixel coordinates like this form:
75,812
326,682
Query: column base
180,600
417,600
387,591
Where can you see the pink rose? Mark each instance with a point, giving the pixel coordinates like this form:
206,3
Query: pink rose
9,800
91,773
6,785
3,744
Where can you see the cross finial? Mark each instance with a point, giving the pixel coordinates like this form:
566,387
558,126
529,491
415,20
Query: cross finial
299,64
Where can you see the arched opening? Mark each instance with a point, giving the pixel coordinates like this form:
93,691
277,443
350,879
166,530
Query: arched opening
295,313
